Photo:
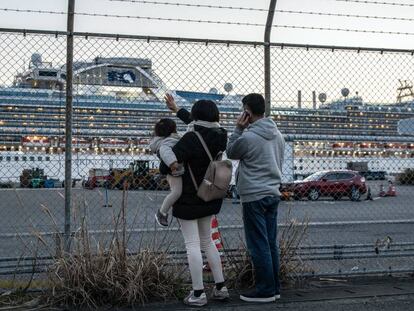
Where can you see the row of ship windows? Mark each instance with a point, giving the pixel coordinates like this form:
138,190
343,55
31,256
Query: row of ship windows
23,158
50,110
277,114
356,123
86,121
303,112
307,161
139,113
387,115
329,125
145,133
325,167
119,124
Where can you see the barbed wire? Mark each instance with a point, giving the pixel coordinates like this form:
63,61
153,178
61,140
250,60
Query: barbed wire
33,11
210,21
208,6
345,15
266,10
378,2
346,30
134,17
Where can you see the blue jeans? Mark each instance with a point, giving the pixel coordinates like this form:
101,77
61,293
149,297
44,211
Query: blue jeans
260,225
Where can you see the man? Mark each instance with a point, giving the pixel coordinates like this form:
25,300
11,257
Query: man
259,146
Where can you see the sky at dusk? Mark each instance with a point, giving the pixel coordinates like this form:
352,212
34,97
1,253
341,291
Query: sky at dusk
202,30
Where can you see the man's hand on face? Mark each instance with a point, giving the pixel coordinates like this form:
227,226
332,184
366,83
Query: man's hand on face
243,121
171,103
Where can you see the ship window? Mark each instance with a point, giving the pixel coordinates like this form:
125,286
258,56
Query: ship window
24,158
47,73
1,159
32,159
47,158
16,159
39,158
8,159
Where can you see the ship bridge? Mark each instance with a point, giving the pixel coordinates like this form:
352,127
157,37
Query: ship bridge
116,71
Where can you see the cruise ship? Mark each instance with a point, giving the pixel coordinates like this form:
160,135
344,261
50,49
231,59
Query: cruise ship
118,100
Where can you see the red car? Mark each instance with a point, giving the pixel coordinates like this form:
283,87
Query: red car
336,184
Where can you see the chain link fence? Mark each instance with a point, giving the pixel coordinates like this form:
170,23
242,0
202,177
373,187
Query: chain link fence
348,168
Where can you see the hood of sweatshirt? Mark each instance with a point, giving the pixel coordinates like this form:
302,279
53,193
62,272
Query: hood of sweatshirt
157,141
265,128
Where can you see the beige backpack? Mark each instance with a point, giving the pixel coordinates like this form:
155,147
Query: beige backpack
217,178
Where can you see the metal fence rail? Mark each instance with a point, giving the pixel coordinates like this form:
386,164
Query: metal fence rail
118,86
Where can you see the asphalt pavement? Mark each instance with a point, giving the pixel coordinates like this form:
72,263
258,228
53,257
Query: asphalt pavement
337,223
368,294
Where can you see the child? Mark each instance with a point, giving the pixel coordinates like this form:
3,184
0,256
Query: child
166,137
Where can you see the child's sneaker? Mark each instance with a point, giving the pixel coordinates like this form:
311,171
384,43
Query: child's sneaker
192,300
221,294
162,219
179,171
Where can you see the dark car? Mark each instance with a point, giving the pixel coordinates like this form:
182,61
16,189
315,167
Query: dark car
336,184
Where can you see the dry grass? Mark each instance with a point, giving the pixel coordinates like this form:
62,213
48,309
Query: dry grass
239,267
101,273
95,274
292,236
110,278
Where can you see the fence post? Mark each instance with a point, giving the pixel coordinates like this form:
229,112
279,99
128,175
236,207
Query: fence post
68,123
268,31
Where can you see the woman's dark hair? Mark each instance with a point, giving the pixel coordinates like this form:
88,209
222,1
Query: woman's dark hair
205,110
165,127
255,102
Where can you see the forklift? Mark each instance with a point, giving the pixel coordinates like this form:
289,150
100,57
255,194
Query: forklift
33,178
137,176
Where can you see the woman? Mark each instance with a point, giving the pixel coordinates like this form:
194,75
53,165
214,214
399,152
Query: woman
193,214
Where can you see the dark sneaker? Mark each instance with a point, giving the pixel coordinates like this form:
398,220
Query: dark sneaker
221,294
277,296
254,297
161,219
192,300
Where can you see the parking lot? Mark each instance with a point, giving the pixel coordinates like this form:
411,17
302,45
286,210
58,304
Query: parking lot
23,209
26,212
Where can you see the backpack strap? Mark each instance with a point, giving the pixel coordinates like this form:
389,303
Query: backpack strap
192,177
203,143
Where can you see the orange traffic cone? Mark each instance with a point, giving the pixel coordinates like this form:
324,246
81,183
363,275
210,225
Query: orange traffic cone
215,235
392,192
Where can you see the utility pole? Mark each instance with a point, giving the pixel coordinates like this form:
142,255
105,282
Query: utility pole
68,124
267,64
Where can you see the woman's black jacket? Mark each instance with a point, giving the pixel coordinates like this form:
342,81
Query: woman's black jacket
190,152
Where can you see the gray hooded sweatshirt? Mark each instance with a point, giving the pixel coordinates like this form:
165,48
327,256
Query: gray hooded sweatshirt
260,149
162,146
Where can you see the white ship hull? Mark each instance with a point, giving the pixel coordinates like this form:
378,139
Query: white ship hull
14,162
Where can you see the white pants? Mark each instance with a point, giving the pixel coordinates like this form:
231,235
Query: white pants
197,238
176,187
